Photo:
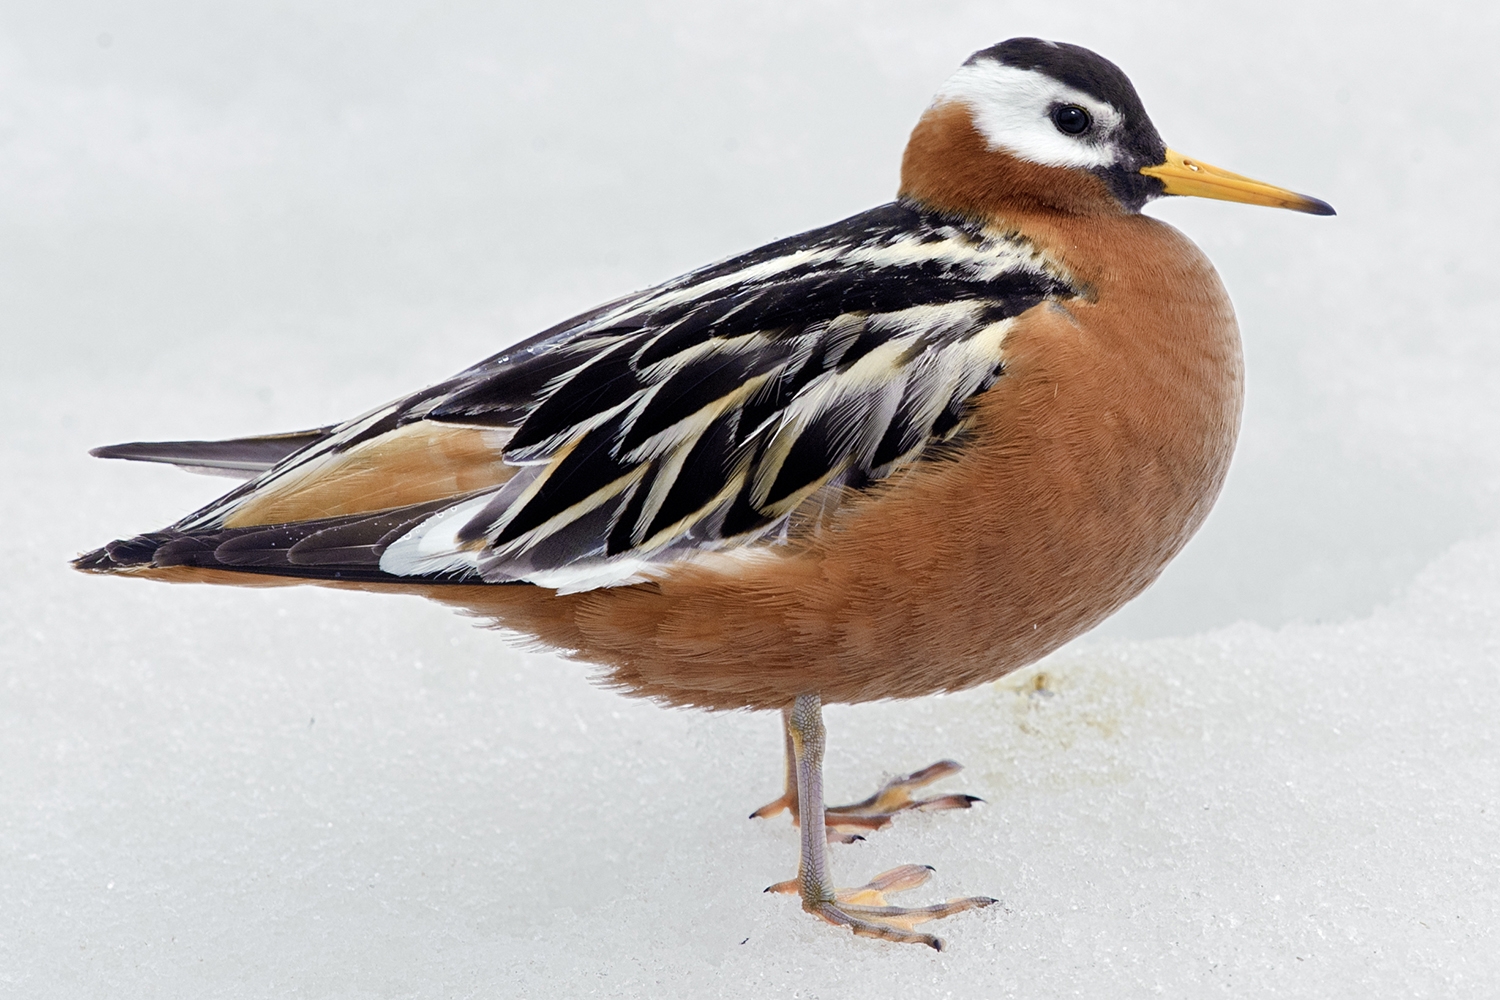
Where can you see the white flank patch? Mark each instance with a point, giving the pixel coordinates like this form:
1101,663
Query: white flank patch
575,578
1012,108
433,545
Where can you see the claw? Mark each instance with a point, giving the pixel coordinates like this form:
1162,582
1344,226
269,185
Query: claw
775,808
865,911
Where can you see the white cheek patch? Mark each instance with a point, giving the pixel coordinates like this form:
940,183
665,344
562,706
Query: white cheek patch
1012,108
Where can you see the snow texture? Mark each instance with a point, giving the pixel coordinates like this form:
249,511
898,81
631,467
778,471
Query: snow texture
1275,774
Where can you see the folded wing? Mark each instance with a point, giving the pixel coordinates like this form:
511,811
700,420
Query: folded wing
701,414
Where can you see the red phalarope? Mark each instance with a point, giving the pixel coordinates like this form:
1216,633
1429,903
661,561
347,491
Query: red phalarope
904,453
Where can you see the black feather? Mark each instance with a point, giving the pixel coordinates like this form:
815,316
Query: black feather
361,541
699,384
622,537
903,434
609,380
588,468
703,475
577,540
812,456
691,323
307,549
743,517
505,402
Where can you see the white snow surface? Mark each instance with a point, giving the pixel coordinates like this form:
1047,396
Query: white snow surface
1275,774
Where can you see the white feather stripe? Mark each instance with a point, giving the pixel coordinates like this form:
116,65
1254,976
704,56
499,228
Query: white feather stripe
873,388
987,345
983,259
877,377
531,488
983,262
932,323
672,532
993,255
591,574
664,368
666,475
932,381
834,337
690,287
685,432
941,376
545,452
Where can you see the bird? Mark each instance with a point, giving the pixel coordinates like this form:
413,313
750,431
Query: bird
904,453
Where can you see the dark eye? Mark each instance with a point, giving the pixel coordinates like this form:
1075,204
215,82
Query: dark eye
1072,119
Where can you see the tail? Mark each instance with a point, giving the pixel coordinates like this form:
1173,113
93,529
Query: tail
316,507
238,457
264,550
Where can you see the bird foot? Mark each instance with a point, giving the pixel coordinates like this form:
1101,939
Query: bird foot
865,911
846,823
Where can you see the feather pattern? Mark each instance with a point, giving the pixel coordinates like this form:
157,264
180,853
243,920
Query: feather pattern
699,414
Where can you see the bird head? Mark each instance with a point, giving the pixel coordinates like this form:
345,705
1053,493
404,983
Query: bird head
1049,124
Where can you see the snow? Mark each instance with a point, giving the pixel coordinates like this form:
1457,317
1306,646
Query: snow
1276,773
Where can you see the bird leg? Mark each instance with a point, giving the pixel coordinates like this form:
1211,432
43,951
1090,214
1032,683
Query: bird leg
863,910
874,813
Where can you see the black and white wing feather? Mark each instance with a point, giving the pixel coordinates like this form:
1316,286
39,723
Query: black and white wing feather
699,414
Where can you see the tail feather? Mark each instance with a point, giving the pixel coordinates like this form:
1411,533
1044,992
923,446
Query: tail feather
237,457
336,548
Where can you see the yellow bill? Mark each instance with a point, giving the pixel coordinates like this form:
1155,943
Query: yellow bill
1185,176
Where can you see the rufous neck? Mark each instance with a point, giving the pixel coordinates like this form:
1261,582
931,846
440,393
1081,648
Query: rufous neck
948,165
